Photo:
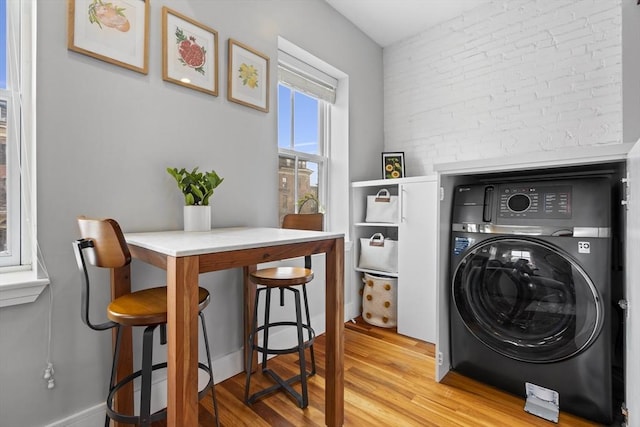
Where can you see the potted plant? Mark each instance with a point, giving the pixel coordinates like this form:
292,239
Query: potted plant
309,197
197,188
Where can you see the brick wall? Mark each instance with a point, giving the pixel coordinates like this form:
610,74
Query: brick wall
510,77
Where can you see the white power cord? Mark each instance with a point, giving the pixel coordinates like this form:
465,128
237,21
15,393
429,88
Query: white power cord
48,376
49,371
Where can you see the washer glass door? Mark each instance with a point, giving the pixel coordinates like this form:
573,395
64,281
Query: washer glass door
527,300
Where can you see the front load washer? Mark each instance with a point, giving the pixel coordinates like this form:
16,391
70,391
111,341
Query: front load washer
530,289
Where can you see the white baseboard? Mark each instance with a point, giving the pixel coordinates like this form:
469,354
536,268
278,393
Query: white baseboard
224,368
90,417
351,311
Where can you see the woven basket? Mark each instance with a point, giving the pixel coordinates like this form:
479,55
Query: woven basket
380,300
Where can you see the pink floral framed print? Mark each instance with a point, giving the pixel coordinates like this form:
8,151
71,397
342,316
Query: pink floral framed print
189,53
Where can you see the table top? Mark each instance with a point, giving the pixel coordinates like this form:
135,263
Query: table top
187,243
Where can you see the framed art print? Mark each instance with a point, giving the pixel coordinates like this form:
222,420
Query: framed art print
393,165
114,31
248,76
189,53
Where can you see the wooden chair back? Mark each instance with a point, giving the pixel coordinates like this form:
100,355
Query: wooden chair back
110,250
102,245
314,222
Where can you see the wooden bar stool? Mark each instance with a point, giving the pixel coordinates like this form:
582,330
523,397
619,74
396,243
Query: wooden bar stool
284,279
103,245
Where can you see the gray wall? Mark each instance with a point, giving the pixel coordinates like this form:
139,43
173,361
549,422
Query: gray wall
105,137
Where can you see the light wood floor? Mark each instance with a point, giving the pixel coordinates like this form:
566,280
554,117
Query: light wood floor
388,382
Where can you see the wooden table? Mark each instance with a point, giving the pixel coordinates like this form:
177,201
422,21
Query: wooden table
184,255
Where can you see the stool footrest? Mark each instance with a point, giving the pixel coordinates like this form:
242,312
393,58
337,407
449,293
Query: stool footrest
284,384
132,419
308,343
156,416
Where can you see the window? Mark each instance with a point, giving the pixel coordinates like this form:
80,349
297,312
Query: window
309,83
22,278
305,95
302,154
9,139
16,131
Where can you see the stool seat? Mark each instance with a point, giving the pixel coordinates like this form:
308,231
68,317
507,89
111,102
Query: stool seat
282,276
147,307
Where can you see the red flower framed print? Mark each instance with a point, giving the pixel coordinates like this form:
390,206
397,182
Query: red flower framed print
189,53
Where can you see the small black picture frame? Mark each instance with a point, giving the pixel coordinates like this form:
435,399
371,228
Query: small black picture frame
393,165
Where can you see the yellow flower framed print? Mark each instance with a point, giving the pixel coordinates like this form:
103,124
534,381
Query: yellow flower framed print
248,76
393,165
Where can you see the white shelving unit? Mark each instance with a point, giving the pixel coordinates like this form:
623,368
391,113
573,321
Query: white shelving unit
415,230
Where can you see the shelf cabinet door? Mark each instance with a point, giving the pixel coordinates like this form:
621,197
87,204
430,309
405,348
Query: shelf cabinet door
632,284
417,236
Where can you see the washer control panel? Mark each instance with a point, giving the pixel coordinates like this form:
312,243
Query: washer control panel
534,201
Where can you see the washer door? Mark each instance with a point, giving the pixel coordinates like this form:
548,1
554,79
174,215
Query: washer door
527,300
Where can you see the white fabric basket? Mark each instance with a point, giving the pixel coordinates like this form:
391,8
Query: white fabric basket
380,300
378,253
383,207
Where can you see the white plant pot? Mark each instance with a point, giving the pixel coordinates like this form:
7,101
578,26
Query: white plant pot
197,218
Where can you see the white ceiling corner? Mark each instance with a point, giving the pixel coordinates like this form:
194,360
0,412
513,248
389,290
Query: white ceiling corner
389,21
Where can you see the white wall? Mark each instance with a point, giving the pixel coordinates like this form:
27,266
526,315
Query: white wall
631,70
105,137
506,78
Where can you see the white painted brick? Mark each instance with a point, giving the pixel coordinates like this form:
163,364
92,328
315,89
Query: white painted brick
612,90
584,40
601,11
535,38
601,105
508,77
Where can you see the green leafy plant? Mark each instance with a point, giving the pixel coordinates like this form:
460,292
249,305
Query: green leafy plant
197,187
309,197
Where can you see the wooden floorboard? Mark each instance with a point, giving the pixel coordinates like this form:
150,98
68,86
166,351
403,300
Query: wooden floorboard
389,381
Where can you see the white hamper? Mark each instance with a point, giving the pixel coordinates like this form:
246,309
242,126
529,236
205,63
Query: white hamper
380,300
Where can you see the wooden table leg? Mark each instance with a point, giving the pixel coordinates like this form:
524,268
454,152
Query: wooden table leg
123,401
249,299
334,392
182,328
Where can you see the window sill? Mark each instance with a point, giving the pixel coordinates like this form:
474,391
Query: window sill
20,287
